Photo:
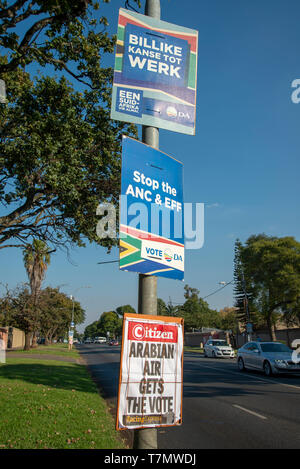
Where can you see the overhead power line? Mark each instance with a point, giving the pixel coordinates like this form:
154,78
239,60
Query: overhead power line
210,294
108,262
219,289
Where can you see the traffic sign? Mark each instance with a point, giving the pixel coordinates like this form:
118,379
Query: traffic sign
155,73
151,220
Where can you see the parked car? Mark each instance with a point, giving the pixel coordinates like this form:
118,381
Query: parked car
217,348
270,357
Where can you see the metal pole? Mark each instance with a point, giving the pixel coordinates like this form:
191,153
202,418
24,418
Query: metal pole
147,302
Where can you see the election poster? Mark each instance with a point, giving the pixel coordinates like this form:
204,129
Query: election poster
71,336
151,372
155,73
151,212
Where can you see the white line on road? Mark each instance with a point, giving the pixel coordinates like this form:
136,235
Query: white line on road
247,375
250,412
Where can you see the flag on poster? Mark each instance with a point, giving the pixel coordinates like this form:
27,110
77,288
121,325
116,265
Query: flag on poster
151,372
151,216
155,73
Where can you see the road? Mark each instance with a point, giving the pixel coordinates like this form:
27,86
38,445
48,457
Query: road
222,407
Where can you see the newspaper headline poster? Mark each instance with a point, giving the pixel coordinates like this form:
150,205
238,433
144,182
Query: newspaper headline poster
151,372
155,73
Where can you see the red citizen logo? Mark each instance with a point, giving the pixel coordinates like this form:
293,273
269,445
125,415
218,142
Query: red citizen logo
152,332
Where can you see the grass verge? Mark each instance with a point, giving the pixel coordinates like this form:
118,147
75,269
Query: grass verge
188,348
52,404
53,349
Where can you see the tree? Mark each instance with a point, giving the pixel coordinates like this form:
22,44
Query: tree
59,149
56,313
36,260
125,309
272,266
196,311
244,292
92,330
20,311
229,319
62,33
168,309
110,322
161,307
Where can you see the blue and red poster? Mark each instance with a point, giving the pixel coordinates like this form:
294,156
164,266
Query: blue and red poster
151,216
155,73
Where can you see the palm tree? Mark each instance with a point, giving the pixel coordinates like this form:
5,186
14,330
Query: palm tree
36,260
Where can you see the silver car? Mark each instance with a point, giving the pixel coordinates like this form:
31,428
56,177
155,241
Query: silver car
269,357
217,348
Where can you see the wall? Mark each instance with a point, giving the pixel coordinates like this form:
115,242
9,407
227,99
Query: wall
283,335
198,339
195,339
3,335
15,338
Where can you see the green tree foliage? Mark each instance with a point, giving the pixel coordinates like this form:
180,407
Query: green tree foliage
63,33
196,311
166,309
125,309
244,291
109,322
92,330
228,319
36,259
272,268
56,312
59,149
20,311
51,315
161,307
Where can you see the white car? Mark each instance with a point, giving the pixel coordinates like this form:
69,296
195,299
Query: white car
88,341
217,348
100,340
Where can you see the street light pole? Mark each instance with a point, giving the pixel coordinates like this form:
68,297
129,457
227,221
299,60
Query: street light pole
72,326
147,301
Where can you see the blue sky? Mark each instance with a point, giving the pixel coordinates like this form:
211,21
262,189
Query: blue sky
243,161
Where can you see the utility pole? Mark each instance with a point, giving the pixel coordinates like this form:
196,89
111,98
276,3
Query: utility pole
147,301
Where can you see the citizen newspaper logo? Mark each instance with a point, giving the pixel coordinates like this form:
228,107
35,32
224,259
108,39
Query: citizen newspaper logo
152,332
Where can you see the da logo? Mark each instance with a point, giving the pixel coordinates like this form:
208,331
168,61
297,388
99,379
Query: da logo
168,256
171,111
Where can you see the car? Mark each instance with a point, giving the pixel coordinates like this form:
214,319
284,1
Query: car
88,341
272,358
113,342
218,348
99,340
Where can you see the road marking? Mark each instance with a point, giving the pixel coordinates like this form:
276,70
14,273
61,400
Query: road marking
250,412
247,375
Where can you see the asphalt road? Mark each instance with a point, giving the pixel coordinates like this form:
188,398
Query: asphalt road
222,407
